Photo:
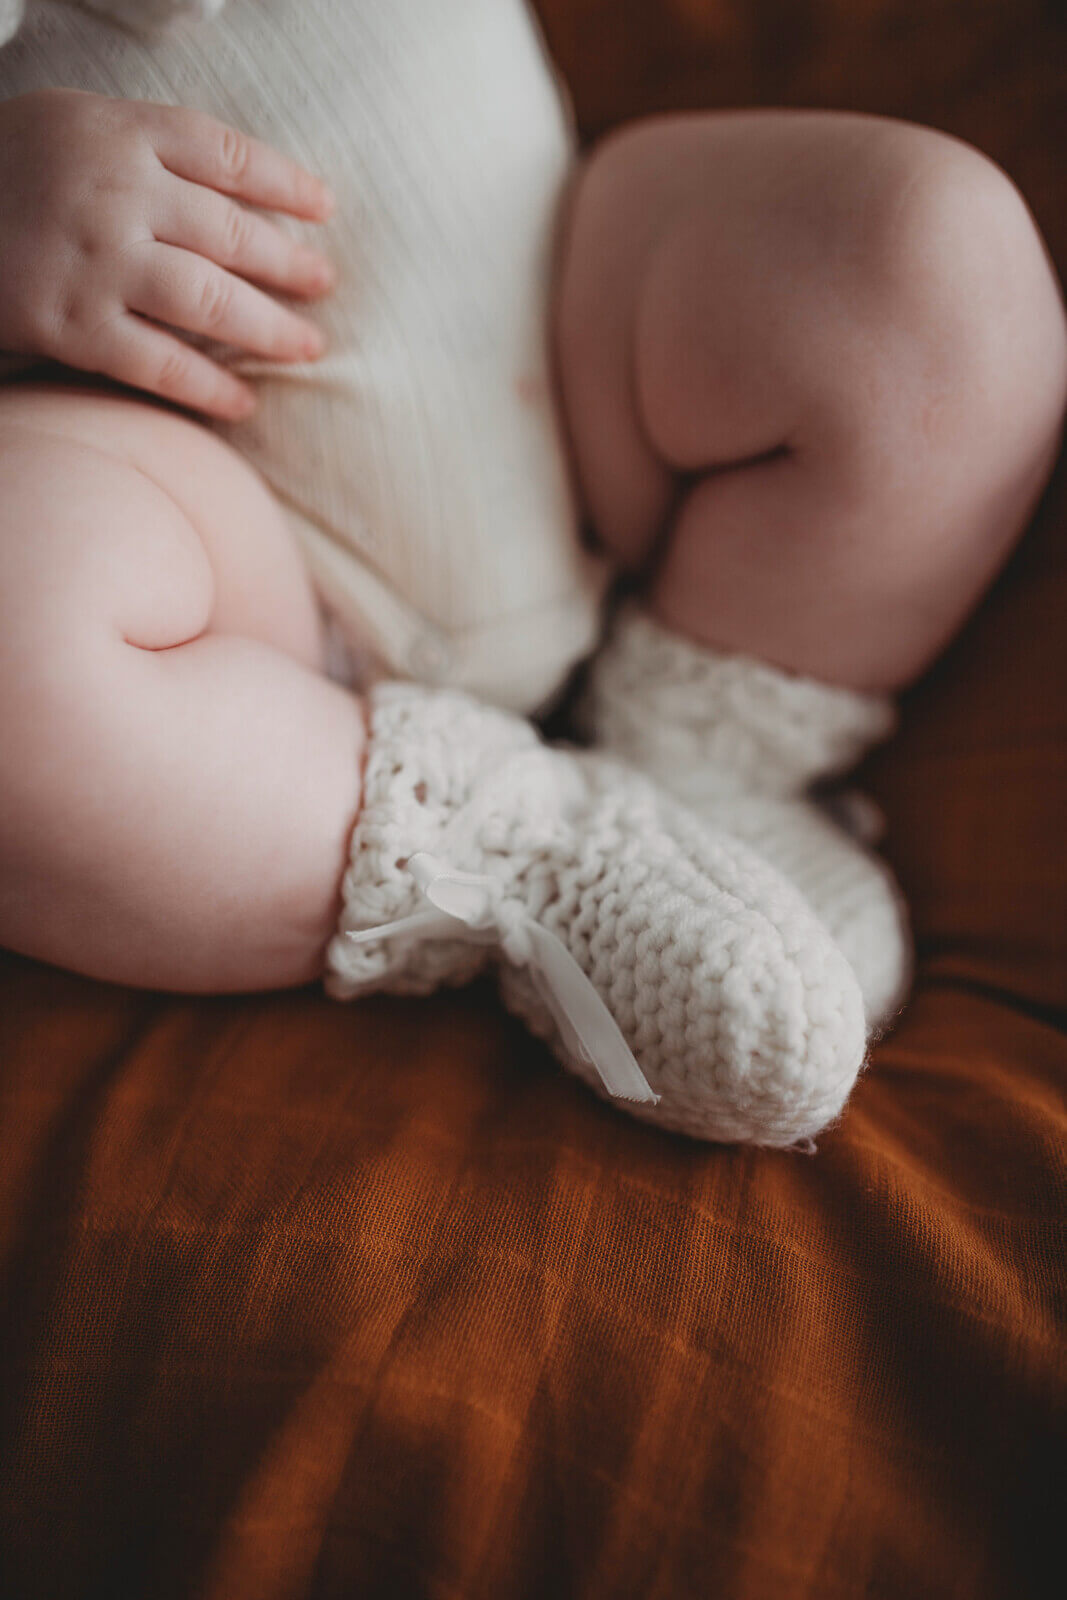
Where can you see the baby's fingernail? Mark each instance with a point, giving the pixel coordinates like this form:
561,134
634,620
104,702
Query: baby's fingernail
313,343
328,200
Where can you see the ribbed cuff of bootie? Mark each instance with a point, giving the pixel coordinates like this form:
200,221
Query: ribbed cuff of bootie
436,761
707,723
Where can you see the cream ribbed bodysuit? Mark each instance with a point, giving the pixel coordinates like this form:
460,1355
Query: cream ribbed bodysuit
420,461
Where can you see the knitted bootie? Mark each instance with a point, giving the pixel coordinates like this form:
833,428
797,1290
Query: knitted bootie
616,920
740,743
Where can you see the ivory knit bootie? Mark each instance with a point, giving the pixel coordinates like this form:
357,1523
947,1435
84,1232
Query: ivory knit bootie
740,743
617,922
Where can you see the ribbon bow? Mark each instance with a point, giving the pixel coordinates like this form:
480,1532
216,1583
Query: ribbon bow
469,905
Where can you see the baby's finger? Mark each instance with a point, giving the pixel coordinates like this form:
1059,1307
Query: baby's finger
149,358
200,220
195,146
187,292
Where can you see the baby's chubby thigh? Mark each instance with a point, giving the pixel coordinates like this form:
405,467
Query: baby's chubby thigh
178,780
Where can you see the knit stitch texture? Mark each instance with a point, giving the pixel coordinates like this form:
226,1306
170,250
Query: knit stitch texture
741,1011
741,742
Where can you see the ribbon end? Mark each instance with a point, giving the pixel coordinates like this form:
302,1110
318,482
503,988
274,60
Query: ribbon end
472,906
639,1097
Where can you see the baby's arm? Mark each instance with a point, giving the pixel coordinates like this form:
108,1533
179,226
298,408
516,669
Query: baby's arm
121,230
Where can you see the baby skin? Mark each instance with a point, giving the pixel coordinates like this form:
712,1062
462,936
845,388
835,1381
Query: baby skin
813,371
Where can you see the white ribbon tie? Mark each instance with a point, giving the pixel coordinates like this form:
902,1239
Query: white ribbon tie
469,905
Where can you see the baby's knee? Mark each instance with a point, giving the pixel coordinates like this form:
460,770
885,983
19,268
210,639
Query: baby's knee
956,277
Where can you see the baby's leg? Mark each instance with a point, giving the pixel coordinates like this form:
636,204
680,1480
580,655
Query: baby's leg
178,782
814,368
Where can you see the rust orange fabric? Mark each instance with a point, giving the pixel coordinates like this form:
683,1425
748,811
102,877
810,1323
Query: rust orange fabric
302,1300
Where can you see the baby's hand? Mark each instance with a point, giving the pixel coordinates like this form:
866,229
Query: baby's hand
113,220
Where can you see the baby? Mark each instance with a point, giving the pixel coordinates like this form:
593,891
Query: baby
811,371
